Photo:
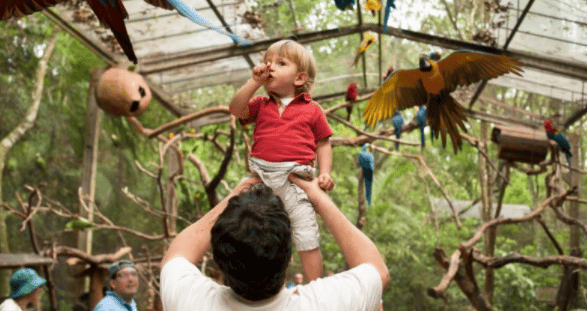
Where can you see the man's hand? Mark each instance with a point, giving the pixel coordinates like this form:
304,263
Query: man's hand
261,73
325,182
247,183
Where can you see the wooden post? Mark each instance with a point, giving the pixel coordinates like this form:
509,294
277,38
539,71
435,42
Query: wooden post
575,180
97,276
487,208
171,199
90,161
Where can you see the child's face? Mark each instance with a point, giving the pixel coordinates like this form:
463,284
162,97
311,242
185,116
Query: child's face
284,76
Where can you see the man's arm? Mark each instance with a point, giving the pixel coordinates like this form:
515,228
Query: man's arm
193,242
324,157
356,247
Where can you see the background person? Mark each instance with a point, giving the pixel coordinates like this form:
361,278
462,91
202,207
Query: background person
25,285
124,282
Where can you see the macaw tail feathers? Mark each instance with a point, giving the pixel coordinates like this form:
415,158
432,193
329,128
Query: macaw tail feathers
397,135
349,110
368,188
422,137
187,11
113,16
390,4
568,154
444,113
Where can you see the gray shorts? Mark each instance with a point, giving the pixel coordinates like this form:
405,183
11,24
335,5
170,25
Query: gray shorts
306,235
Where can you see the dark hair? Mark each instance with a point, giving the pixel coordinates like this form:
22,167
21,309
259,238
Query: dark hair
251,243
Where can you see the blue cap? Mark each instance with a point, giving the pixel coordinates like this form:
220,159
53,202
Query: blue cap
119,265
24,281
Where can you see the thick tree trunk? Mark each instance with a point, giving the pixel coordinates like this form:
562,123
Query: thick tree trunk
8,142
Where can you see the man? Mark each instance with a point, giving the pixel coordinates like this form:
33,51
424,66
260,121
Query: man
298,279
124,282
250,235
25,285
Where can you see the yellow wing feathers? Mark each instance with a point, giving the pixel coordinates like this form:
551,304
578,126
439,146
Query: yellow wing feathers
402,90
432,84
463,68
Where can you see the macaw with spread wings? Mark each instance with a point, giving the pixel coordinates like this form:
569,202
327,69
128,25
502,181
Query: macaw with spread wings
111,13
431,85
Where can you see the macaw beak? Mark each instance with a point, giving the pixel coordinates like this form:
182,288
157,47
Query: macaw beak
425,63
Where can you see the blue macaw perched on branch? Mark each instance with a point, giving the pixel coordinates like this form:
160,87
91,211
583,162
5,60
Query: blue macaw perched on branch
398,123
388,5
432,83
367,162
111,13
421,118
560,138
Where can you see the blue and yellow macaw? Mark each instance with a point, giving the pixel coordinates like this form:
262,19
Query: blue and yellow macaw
367,163
111,13
368,40
432,83
373,6
388,5
344,4
398,123
421,118
560,138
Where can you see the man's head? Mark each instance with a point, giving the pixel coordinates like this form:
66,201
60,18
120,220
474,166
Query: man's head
25,284
251,243
124,279
298,278
300,56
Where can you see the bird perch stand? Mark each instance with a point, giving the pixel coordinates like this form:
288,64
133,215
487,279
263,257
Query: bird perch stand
521,144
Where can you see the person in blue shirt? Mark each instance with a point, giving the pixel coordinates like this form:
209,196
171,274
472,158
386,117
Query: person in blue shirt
124,282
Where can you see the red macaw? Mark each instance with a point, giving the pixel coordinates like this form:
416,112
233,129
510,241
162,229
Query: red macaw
432,83
351,96
560,138
111,13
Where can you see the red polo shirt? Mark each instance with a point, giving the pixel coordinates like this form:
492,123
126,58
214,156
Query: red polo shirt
291,136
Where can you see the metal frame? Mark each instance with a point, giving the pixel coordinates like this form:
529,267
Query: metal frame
158,64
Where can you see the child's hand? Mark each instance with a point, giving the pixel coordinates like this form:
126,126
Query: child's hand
325,182
261,73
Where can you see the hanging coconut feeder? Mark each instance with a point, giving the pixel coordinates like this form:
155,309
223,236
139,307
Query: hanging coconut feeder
123,93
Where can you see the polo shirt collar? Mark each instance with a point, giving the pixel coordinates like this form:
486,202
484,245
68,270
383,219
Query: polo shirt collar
122,302
300,98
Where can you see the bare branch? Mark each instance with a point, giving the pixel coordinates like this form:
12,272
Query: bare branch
544,262
192,116
440,289
420,159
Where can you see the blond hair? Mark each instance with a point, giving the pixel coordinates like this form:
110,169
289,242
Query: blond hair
300,56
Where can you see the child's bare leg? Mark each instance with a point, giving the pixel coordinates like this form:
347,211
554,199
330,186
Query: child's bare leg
311,263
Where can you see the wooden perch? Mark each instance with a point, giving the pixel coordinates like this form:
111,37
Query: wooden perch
372,137
165,127
440,289
544,262
80,257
